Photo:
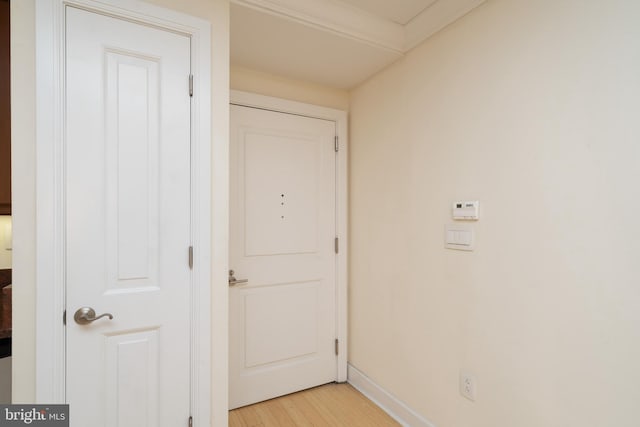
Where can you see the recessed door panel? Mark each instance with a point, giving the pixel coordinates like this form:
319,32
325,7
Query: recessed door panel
131,364
281,324
132,116
276,204
132,125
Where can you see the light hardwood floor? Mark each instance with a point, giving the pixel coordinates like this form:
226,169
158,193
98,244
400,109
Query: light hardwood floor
327,405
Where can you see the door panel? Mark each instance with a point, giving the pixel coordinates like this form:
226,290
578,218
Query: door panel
132,168
127,165
270,313
282,322
132,362
293,210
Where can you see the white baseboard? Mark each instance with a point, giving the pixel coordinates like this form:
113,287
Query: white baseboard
397,409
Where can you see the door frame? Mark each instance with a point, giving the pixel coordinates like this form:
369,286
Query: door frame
50,372
247,99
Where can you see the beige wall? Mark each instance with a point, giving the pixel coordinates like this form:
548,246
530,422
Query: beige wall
24,208
531,107
249,80
23,176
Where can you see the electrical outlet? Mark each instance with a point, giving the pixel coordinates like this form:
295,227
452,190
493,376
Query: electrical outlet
468,385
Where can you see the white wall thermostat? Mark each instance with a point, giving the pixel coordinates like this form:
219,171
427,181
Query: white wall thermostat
466,210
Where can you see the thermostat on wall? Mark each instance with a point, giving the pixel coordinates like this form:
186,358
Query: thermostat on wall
466,210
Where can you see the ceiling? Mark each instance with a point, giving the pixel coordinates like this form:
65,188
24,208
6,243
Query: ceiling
337,43
398,11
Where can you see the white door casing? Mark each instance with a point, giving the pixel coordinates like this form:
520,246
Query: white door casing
156,213
286,188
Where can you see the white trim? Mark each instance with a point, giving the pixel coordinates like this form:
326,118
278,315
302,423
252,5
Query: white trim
201,220
351,22
50,332
50,262
340,118
393,406
335,17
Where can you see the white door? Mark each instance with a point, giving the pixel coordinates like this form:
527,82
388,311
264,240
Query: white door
283,225
127,180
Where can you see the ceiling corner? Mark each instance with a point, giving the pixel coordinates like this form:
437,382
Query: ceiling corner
337,43
434,18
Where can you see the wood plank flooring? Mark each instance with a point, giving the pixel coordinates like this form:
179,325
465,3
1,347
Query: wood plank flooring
327,405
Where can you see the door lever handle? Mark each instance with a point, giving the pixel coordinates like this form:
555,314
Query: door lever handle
233,281
86,315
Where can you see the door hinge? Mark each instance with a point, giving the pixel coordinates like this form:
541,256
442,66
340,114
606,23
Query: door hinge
190,421
336,245
64,318
190,84
337,146
191,257
337,346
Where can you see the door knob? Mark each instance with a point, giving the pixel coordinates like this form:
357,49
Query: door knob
233,281
86,315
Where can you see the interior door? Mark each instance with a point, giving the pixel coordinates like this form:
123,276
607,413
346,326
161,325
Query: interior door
283,226
127,180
